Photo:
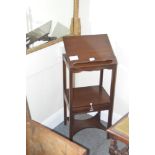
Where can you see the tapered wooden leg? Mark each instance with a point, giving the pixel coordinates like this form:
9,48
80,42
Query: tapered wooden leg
109,121
100,84
71,126
71,117
64,88
65,114
112,93
99,116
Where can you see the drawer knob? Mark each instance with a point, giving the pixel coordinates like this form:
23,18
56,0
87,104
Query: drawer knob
91,107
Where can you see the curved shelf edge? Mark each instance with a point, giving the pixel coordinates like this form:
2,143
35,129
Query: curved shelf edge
93,122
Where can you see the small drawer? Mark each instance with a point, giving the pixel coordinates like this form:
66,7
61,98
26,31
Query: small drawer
90,108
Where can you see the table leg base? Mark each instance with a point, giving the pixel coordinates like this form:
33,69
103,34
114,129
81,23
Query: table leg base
93,122
113,150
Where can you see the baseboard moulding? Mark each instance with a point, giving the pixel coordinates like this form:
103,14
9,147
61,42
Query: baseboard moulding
54,120
57,118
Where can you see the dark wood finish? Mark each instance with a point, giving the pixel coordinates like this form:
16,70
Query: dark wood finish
112,92
97,46
118,135
92,98
85,95
41,140
71,117
64,86
93,122
101,78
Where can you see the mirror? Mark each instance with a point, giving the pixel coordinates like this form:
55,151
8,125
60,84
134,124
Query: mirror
50,20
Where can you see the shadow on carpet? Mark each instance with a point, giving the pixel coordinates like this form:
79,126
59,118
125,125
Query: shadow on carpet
95,140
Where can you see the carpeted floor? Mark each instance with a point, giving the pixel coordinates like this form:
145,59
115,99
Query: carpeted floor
95,140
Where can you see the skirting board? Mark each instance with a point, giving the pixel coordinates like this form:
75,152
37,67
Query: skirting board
54,120
57,118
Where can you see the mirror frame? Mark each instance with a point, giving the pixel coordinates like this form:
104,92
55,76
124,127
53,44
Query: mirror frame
75,29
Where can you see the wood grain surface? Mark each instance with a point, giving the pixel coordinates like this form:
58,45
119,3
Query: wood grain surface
41,140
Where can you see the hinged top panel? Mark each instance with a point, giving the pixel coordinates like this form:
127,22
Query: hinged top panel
89,49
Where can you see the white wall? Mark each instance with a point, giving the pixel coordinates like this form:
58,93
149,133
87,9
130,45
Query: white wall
110,17
44,82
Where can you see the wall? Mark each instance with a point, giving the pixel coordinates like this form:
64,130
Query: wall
44,82
110,17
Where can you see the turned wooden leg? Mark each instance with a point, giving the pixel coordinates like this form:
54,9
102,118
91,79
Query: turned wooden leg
113,147
125,150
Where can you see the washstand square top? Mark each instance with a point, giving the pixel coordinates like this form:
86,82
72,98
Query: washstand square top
88,51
